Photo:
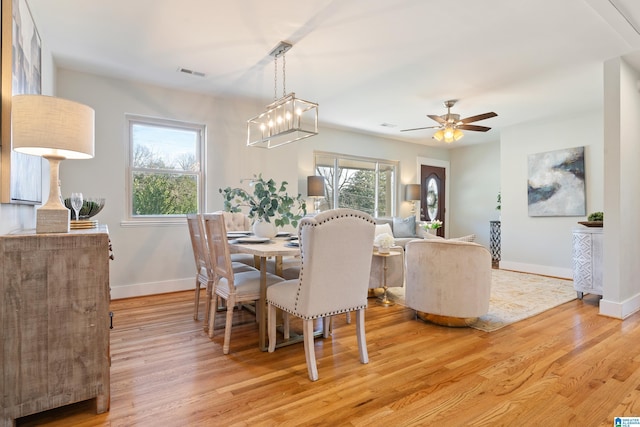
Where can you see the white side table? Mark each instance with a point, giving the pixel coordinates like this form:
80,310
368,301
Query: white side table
588,259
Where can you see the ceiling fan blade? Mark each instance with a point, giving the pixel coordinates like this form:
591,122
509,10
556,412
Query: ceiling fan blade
474,127
428,127
437,118
478,117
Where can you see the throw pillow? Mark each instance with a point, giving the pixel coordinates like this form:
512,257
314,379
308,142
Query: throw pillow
404,227
469,238
382,229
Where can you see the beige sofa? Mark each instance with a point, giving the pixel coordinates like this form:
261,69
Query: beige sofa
448,282
403,229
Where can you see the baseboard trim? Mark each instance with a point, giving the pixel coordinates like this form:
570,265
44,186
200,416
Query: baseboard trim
152,288
544,270
620,310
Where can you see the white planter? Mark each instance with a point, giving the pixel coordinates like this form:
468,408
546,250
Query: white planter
262,228
383,250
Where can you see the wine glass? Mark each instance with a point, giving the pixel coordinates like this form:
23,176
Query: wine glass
76,203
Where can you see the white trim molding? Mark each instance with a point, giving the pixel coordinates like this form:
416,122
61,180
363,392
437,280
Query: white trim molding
544,270
152,288
620,310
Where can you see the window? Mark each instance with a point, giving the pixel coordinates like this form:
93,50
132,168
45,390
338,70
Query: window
166,173
359,183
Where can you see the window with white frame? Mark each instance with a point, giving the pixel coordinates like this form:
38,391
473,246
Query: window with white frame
166,168
361,183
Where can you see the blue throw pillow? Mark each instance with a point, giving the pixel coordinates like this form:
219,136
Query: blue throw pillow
404,227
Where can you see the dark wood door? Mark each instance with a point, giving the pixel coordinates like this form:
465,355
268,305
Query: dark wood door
432,197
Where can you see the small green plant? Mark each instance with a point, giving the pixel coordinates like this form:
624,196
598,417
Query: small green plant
499,200
432,225
596,216
268,202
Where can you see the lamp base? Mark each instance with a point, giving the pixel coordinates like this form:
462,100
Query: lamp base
50,220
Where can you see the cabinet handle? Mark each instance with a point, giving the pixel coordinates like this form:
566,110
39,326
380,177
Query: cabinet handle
111,320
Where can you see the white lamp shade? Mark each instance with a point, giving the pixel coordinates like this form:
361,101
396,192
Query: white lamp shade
52,127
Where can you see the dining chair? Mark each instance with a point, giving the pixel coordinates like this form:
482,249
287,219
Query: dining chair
204,271
335,252
239,221
233,287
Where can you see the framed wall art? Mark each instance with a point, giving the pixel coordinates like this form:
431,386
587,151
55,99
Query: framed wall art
20,73
556,185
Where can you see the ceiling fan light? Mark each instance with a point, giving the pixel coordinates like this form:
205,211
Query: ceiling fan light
457,134
439,135
448,134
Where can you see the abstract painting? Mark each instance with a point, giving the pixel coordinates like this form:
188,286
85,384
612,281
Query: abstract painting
20,74
556,185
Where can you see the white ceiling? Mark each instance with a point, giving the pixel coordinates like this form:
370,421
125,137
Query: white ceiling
366,63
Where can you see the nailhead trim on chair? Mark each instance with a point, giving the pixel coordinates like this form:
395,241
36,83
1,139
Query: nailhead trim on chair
331,313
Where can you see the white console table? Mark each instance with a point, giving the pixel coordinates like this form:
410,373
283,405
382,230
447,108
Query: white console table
587,260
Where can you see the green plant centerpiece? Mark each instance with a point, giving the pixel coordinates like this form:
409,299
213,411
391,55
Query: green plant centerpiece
595,219
269,203
596,216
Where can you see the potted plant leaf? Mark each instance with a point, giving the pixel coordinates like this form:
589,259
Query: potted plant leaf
270,205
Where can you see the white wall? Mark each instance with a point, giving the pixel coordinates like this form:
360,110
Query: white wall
622,184
475,183
543,245
153,259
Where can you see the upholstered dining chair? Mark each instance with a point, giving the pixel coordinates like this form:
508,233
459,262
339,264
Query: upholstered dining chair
204,270
232,287
335,252
238,221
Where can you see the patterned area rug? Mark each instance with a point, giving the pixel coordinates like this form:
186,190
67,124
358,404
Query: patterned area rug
516,296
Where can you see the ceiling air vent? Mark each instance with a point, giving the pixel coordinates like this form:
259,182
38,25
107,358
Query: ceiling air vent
193,73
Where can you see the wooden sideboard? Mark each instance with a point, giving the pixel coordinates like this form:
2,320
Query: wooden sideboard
54,312
588,260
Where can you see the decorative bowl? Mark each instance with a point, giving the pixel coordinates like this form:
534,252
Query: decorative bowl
90,207
591,223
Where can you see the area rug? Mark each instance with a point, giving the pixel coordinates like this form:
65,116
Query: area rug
516,296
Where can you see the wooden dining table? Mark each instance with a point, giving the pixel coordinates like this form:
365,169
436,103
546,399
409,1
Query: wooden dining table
277,247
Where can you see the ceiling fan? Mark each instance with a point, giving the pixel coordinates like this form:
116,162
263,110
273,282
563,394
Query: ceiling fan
450,125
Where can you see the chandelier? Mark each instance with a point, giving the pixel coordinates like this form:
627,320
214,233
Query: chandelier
285,120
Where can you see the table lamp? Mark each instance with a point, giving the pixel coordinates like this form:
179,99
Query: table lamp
56,129
412,194
315,190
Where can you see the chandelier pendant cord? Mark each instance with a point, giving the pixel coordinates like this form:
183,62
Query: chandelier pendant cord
284,75
275,77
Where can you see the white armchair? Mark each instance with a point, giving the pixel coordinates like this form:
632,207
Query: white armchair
448,282
335,251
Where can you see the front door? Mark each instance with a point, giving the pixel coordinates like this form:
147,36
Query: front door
432,197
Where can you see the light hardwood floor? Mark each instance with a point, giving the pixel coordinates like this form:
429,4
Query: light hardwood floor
566,367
